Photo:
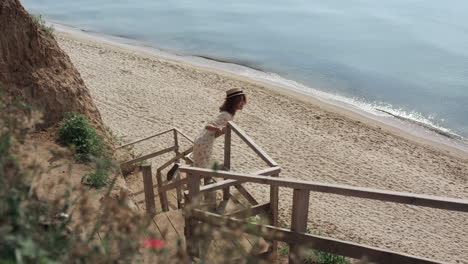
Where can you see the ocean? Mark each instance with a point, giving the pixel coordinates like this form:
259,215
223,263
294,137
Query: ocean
404,58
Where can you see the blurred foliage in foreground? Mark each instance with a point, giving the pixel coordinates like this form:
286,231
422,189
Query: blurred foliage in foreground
67,229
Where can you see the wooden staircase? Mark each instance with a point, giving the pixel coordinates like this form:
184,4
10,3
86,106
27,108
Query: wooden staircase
216,228
165,201
170,226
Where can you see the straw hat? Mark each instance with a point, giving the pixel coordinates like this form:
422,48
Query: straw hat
234,92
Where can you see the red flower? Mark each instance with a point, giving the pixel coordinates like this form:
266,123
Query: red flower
154,243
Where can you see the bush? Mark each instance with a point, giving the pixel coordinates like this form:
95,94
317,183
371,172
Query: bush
41,24
326,258
100,177
283,251
316,256
76,132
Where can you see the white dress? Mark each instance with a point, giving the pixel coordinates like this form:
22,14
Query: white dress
203,144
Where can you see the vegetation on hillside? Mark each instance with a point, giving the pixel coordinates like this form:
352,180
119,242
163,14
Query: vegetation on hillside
75,132
41,24
65,229
313,256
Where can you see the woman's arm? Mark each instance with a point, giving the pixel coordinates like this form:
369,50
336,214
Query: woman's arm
218,131
214,128
219,125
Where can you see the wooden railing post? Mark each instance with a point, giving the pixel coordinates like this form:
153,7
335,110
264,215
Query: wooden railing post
192,242
227,158
176,141
162,195
300,212
193,187
274,200
149,192
177,176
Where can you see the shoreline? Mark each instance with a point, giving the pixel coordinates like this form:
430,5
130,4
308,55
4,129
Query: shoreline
139,93
400,126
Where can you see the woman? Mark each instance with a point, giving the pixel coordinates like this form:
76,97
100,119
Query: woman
203,144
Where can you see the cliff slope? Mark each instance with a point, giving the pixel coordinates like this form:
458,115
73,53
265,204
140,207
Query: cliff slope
33,66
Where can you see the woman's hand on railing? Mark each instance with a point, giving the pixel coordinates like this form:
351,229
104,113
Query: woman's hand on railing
220,132
217,130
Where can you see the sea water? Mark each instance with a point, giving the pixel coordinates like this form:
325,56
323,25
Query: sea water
406,57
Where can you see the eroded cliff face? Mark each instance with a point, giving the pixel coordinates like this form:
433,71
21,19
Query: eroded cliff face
33,66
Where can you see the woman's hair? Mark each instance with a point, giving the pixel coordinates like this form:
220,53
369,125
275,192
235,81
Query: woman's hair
230,104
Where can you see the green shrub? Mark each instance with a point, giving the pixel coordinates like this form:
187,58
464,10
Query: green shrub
257,219
326,258
76,132
100,177
316,256
40,22
283,251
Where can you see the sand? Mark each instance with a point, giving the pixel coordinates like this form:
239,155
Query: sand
139,94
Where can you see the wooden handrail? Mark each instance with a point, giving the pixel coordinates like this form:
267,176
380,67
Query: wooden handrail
268,171
262,154
296,237
172,185
361,192
220,185
178,156
148,156
344,248
146,138
217,186
185,136
251,211
164,188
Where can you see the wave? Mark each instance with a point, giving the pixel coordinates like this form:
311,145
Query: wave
440,131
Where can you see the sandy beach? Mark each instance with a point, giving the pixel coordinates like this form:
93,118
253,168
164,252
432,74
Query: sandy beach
139,94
